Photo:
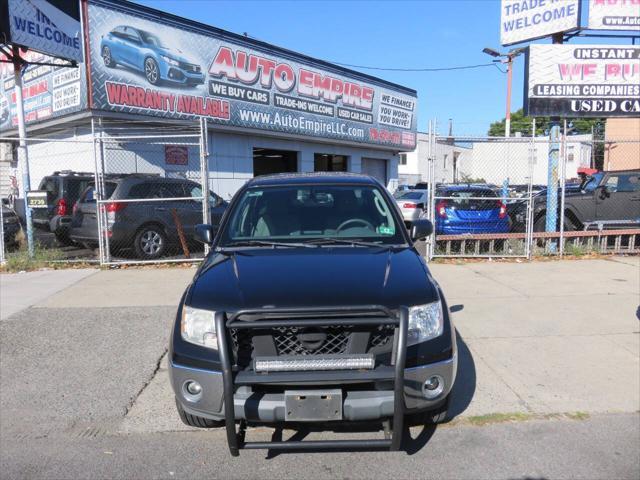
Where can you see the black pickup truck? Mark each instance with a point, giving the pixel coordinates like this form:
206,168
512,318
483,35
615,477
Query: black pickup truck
604,200
312,306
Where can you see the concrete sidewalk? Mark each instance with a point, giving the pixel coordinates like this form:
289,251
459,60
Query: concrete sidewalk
22,290
536,338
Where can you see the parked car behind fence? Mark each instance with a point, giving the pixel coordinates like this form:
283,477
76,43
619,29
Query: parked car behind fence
462,209
412,204
63,189
148,228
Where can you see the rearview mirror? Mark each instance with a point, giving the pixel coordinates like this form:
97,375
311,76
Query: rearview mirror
205,233
421,229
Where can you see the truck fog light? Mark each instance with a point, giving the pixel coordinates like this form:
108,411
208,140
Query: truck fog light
192,390
433,387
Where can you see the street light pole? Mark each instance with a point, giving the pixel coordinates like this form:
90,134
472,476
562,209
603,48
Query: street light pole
509,62
507,123
23,156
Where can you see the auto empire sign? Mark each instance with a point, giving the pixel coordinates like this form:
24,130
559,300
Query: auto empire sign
614,14
583,80
139,65
523,20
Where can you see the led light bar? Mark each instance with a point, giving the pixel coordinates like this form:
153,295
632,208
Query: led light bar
309,363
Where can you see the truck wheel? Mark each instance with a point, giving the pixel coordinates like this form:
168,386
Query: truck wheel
540,225
195,421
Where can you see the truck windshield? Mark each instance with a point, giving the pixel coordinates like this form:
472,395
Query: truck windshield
304,212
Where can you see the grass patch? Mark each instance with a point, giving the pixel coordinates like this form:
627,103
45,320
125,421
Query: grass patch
42,257
482,420
577,415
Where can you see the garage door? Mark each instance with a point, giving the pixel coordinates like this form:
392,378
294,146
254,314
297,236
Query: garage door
376,167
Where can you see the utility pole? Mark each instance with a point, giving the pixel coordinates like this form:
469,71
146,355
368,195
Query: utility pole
552,168
508,60
23,151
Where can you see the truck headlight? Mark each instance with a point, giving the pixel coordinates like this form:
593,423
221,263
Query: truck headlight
198,326
425,322
170,61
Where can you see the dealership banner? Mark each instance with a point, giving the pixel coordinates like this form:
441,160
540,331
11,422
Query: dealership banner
48,91
141,64
524,20
614,14
51,27
583,80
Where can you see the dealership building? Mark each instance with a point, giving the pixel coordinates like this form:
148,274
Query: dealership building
268,109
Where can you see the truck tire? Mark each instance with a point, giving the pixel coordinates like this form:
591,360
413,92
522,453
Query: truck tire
195,421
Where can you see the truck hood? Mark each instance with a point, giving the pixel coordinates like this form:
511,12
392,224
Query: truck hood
318,277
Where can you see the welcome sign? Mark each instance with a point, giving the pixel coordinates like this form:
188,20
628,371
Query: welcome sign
523,20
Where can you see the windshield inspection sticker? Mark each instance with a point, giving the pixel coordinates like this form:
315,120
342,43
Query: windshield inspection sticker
386,230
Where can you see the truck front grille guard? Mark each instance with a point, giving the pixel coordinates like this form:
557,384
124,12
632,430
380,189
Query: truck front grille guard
400,320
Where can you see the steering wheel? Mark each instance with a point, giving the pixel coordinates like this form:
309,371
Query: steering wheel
355,220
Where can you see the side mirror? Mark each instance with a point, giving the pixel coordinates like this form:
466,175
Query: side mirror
205,233
603,192
421,229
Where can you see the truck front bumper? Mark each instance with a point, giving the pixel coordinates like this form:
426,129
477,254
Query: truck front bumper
270,407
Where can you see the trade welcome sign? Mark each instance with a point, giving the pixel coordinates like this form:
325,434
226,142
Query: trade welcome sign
51,27
143,64
583,80
523,20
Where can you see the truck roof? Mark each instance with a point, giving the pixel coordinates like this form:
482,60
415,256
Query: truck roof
312,178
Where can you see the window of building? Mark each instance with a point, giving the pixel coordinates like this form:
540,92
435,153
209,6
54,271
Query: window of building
444,163
403,159
323,162
267,161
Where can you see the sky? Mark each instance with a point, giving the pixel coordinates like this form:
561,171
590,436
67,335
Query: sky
391,34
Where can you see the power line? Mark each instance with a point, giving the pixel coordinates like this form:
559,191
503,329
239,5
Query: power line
391,69
425,69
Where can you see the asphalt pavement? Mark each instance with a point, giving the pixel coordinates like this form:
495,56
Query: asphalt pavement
548,383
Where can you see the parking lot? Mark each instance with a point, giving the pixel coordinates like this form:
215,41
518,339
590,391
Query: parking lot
548,383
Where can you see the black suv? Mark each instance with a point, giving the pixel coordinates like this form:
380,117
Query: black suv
63,189
313,306
606,199
147,227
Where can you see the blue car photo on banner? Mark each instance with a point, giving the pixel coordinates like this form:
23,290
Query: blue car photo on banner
147,54
146,63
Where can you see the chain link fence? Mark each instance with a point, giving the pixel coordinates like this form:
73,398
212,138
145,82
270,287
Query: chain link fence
114,195
117,194
526,196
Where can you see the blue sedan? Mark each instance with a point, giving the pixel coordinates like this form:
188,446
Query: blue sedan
146,53
469,209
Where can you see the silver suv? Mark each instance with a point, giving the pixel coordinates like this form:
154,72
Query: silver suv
149,228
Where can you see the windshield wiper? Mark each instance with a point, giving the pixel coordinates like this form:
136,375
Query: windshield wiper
264,243
345,241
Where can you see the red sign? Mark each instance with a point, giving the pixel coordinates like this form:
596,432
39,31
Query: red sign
176,155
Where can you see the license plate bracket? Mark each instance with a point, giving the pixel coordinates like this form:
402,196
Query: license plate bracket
313,405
